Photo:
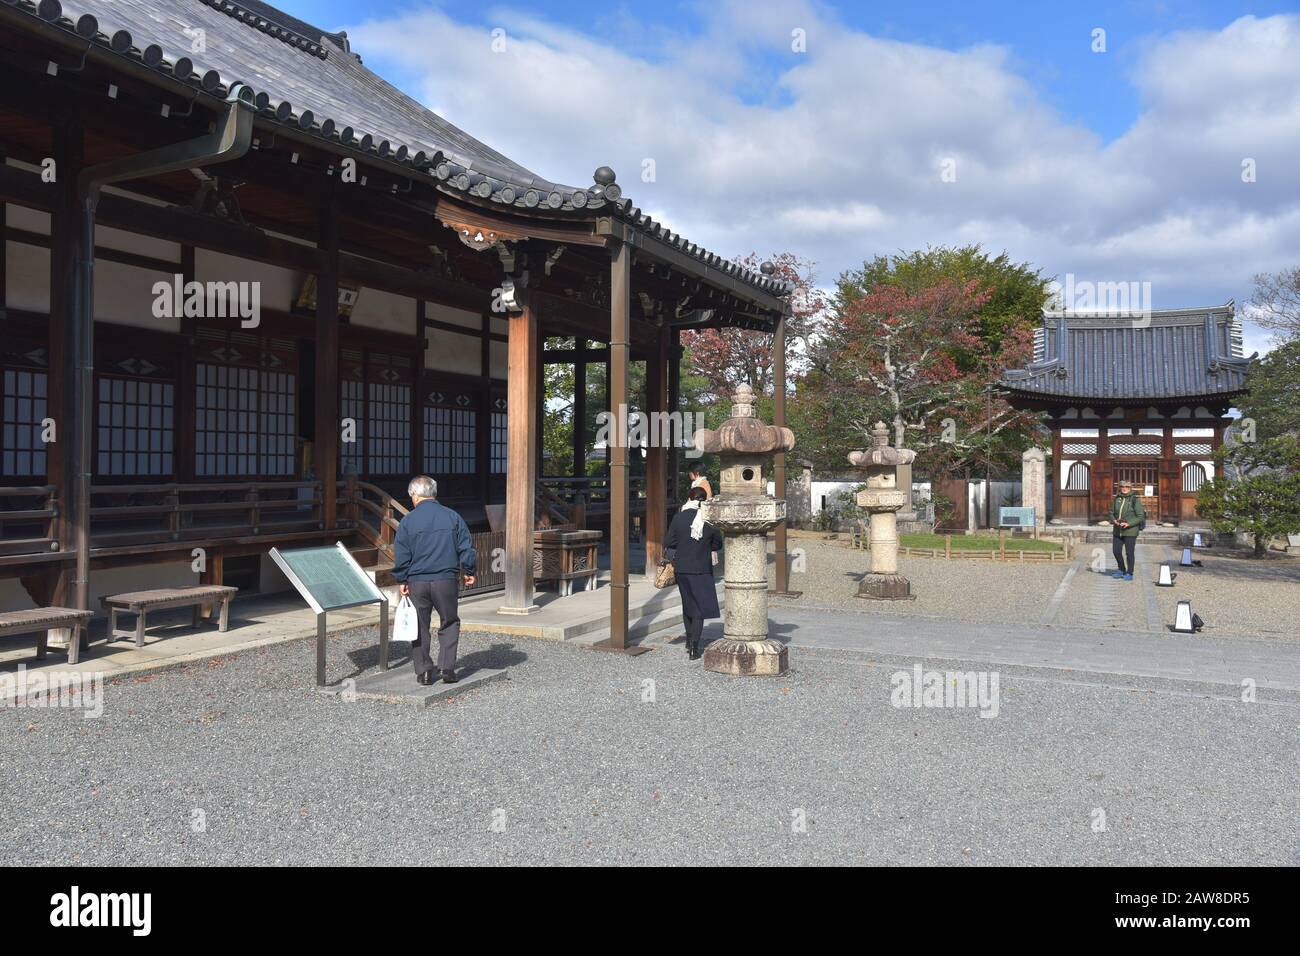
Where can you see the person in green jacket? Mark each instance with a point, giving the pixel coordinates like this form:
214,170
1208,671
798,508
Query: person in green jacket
1127,516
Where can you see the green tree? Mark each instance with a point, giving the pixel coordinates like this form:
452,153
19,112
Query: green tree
833,401
1260,491
1264,502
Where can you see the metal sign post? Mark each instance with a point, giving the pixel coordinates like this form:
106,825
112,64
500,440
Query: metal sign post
329,579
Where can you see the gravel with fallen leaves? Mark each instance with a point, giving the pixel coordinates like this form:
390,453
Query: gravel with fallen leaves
590,758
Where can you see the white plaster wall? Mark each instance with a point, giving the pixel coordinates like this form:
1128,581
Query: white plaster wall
111,238
32,220
28,277
270,579
109,581
451,352
830,491
279,287
375,309
124,294
499,360
445,313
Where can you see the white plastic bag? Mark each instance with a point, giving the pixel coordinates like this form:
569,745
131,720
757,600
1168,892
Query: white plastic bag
406,625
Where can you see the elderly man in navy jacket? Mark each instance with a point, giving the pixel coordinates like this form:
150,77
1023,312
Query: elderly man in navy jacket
431,552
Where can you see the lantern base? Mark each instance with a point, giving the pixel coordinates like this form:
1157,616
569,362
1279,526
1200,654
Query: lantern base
886,587
765,658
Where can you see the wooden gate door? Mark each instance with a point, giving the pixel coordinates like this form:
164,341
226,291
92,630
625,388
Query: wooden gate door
955,490
1145,476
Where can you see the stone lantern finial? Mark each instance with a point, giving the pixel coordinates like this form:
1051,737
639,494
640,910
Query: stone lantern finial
742,401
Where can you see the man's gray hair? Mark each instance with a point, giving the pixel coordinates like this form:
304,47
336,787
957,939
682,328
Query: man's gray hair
422,486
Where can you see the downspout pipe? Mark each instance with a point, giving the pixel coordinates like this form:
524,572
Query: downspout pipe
230,138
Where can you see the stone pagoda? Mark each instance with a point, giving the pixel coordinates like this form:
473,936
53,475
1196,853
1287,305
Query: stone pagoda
745,513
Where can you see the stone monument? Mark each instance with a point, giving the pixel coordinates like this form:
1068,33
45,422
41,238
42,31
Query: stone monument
883,498
1033,484
745,513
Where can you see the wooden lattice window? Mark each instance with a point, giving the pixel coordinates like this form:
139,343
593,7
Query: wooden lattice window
500,438
1136,448
22,454
243,421
1193,477
388,429
134,419
1078,477
375,393
352,405
450,440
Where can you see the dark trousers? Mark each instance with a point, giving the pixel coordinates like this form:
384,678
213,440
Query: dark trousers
1122,546
694,628
428,596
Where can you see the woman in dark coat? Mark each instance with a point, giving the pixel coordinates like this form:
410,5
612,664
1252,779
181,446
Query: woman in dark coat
690,544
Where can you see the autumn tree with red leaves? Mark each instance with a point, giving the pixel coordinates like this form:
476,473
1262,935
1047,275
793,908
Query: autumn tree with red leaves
915,340
725,358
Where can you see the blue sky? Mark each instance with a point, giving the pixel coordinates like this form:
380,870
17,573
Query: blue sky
1051,41
1118,166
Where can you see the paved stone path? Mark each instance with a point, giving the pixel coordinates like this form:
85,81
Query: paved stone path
1118,653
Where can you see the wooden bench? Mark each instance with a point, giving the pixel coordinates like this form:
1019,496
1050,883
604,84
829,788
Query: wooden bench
41,620
140,603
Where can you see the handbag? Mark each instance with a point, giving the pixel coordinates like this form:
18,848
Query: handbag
406,625
666,576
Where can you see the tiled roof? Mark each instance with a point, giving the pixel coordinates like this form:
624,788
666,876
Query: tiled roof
308,79
1163,355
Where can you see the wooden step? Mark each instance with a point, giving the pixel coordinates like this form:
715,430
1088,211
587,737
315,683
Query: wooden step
383,572
366,557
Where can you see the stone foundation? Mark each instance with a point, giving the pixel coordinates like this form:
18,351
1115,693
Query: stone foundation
766,658
886,587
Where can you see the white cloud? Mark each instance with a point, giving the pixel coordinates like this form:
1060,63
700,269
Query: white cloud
835,153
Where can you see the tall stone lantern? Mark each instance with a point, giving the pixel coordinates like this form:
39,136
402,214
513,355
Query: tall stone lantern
883,498
744,512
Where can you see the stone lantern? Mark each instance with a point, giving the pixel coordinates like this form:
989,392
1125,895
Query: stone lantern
744,512
883,498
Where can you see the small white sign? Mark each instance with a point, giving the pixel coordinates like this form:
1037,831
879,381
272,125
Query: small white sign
1150,492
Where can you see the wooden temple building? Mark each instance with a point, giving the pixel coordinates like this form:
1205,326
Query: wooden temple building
359,292
1135,397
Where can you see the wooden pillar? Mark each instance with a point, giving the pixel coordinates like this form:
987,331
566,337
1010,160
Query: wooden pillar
620,312
417,393
183,413
539,403
782,582
656,462
580,407
326,440
1101,489
521,461
65,229
483,435
1169,484
675,405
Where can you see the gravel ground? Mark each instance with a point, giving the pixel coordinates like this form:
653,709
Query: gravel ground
576,767
1238,595
965,589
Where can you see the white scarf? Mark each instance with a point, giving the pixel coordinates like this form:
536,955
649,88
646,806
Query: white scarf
697,525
